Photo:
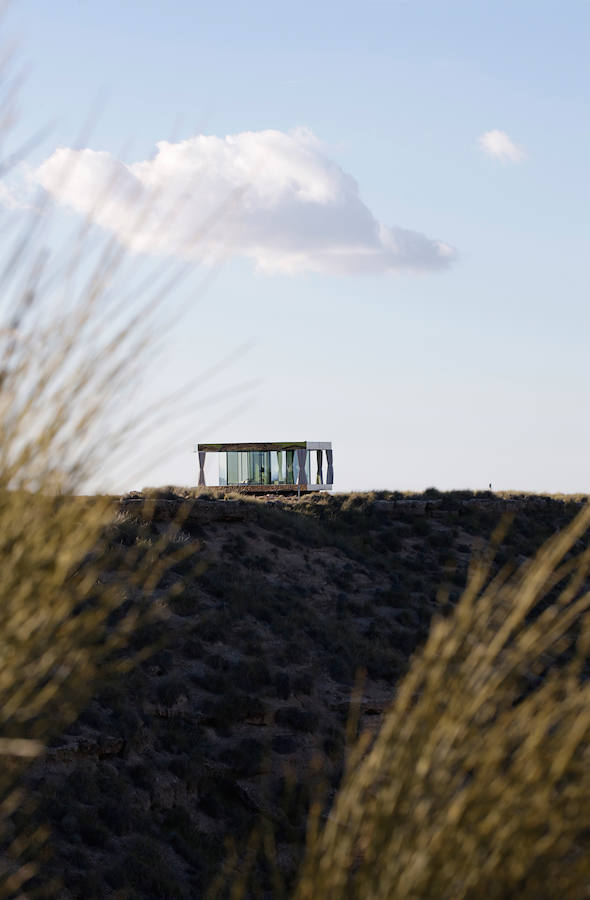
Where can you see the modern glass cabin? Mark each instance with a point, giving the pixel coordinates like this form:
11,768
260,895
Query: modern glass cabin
300,466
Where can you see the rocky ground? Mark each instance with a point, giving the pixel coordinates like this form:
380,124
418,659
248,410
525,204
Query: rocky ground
237,714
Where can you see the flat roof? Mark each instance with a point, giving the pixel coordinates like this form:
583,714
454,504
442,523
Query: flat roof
266,445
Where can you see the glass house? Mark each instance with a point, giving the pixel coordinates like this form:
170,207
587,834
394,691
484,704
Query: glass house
267,467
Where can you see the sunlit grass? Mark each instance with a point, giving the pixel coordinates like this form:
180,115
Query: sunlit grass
74,346
478,783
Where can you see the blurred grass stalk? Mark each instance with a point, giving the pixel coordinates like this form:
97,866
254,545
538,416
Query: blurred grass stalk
478,784
76,337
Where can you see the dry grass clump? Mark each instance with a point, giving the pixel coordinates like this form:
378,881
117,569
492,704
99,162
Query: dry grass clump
71,350
478,784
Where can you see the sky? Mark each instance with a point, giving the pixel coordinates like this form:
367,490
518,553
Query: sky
393,197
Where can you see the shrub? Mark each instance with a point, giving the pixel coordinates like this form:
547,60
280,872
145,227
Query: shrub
170,691
231,708
303,683
216,793
296,718
115,815
441,538
284,744
243,759
341,669
92,831
386,663
293,652
421,527
186,603
214,682
192,647
283,685
333,743
251,673
147,868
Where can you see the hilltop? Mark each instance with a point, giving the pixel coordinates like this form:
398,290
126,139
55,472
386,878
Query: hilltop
234,713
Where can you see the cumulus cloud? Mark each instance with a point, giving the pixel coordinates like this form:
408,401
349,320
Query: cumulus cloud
273,197
497,143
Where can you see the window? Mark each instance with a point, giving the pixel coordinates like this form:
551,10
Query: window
265,467
222,468
291,463
277,467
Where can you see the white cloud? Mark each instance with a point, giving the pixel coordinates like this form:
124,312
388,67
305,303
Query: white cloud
270,196
497,143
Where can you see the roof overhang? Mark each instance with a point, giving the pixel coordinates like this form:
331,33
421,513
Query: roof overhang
264,446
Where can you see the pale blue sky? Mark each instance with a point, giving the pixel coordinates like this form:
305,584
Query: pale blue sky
452,378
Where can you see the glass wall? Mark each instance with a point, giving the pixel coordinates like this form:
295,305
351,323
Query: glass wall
291,467
259,470
277,466
247,467
264,467
222,468
237,467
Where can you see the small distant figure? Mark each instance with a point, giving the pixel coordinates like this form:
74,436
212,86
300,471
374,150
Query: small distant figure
490,485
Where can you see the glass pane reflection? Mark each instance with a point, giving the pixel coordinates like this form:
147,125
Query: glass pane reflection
252,467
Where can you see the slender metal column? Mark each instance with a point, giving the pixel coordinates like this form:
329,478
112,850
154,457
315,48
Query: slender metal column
330,475
202,456
302,460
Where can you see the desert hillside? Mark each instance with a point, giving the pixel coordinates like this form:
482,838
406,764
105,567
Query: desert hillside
234,712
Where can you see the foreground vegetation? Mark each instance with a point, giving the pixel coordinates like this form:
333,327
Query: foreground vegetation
201,766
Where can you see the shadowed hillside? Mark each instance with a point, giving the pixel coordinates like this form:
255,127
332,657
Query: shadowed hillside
236,710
